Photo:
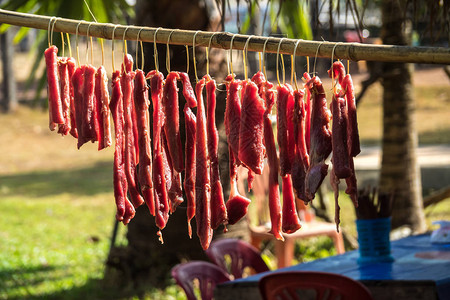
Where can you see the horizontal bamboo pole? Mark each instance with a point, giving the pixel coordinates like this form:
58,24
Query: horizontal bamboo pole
350,51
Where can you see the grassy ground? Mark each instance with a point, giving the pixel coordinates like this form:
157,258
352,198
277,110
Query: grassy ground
58,210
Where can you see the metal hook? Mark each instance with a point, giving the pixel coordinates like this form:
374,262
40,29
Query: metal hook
207,52
112,46
142,49
245,56
87,45
230,66
282,61
294,76
76,43
264,58
168,52
193,54
49,35
155,51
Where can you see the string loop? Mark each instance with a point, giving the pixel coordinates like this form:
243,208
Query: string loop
155,50
87,44
168,52
230,67
282,62
112,47
76,43
245,56
193,54
264,58
49,35
293,72
142,50
207,52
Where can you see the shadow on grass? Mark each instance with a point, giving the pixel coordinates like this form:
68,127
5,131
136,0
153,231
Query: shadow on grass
84,181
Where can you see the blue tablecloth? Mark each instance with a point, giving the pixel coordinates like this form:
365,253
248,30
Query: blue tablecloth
407,266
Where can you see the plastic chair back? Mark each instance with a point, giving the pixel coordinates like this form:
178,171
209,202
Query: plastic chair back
207,274
241,253
298,285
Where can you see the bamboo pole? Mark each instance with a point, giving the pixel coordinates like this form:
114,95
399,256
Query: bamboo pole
350,51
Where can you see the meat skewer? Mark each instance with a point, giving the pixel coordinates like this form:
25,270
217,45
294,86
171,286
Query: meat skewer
125,211
159,179
102,98
267,94
64,85
141,103
218,208
172,123
54,93
202,182
126,82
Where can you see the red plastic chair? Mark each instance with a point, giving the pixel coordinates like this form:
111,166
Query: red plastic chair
297,285
208,275
241,253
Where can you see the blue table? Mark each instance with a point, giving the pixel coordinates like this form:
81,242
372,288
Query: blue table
420,270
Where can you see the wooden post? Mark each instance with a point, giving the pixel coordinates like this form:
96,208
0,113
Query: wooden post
9,100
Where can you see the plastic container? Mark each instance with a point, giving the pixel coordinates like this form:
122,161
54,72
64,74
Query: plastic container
373,239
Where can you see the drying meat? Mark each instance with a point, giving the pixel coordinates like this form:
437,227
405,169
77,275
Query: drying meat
233,113
172,123
218,209
251,129
202,181
64,85
188,91
189,178
159,179
102,98
89,113
173,178
338,72
340,157
334,182
307,78
265,92
352,129
125,211
141,102
285,136
131,155
71,71
291,222
300,164
320,137
78,88
54,93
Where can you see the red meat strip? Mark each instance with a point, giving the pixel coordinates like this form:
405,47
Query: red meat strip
340,157
189,178
265,92
125,211
251,129
202,180
300,164
218,209
172,124
352,129
126,82
127,67
339,72
102,97
320,137
334,181
233,113
159,179
88,111
188,91
54,93
285,106
352,189
71,71
173,178
307,78
291,222
78,88
64,86
142,102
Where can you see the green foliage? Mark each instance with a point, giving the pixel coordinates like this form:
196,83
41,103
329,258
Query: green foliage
293,19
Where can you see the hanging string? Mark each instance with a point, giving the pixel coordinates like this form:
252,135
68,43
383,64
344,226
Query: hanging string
155,51
307,64
49,37
293,71
187,59
230,69
207,52
193,55
124,46
76,43
348,66
244,57
103,52
315,58
142,50
282,62
168,52
68,44
259,59
87,45
62,42
112,47
264,58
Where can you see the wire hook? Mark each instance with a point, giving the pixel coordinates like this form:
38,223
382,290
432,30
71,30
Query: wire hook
230,67
155,50
168,52
87,45
245,56
112,46
142,50
207,53
264,58
315,59
293,72
193,54
76,43
282,62
49,32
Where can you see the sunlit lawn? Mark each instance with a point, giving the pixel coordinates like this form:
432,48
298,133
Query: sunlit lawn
57,206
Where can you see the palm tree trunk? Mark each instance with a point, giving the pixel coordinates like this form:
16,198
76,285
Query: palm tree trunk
400,173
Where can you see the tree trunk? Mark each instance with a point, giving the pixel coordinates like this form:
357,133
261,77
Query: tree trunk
145,261
8,101
400,172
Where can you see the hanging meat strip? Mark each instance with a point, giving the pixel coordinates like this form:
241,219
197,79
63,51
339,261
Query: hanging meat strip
141,103
202,181
285,106
159,180
188,91
102,98
340,156
339,72
218,209
307,78
89,103
54,94
320,137
300,164
126,82
334,182
172,123
251,130
64,85
265,92
78,88
291,222
71,71
173,178
352,129
125,211
189,178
